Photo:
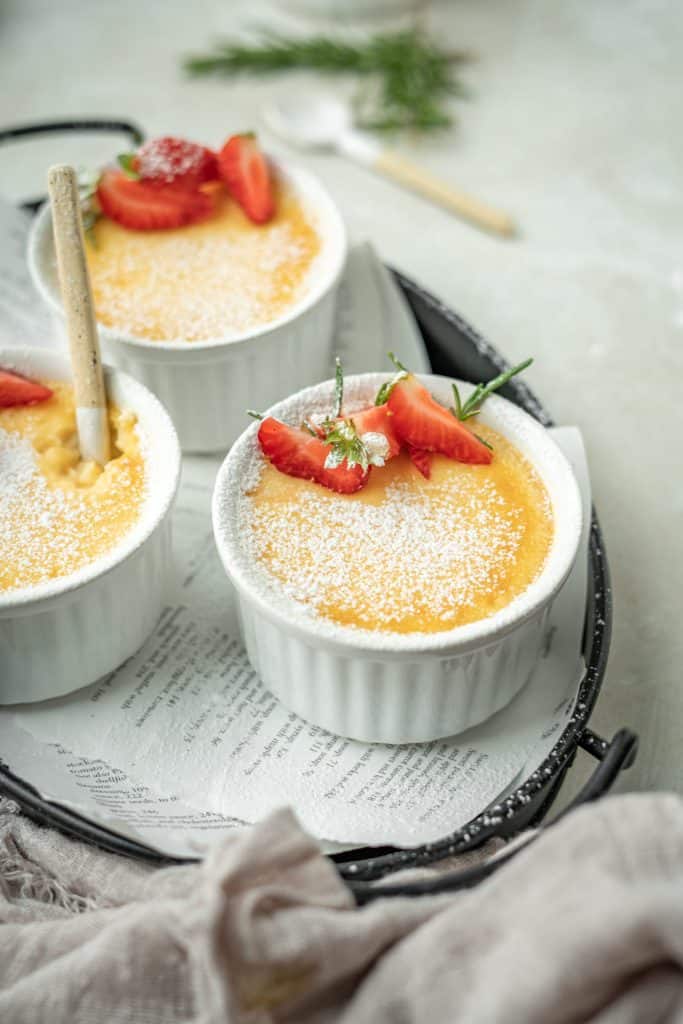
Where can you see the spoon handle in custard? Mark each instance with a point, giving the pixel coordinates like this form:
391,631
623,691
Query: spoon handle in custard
79,310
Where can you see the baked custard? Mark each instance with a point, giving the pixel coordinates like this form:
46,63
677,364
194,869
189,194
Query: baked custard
220,277
427,526
57,512
192,245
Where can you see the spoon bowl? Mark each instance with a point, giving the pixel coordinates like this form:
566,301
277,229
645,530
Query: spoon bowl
310,122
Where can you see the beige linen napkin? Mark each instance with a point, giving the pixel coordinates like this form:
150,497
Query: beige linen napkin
584,924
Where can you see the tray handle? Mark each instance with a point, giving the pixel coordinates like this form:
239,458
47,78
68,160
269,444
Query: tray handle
89,124
613,758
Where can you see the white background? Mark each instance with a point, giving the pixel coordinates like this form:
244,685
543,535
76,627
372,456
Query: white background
574,126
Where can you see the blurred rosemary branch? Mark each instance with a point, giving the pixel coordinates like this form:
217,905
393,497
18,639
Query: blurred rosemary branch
413,77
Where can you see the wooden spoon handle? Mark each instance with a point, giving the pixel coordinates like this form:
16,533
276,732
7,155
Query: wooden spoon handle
89,390
473,210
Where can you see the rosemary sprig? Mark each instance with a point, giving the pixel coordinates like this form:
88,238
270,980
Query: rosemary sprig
345,443
338,387
385,390
483,441
465,410
347,446
126,162
414,76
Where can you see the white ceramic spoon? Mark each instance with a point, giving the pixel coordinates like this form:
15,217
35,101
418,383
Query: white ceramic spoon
324,122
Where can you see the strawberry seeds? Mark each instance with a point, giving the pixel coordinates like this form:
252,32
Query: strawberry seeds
170,183
339,451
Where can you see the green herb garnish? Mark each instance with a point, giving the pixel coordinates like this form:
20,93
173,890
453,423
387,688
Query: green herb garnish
483,441
465,410
346,445
126,163
384,392
338,386
413,77
309,428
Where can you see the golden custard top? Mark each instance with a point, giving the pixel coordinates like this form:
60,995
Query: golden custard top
406,554
58,513
220,277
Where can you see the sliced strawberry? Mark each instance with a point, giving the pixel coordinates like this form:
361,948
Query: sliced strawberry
376,420
373,420
144,207
18,390
314,426
295,452
421,422
244,169
171,161
422,460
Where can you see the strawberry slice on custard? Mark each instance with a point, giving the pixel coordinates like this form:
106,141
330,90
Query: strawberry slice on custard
419,421
377,420
16,389
171,161
144,207
421,459
297,453
245,171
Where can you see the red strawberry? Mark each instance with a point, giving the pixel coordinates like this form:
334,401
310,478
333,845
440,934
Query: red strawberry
376,420
144,207
422,460
421,422
170,161
18,390
244,169
295,452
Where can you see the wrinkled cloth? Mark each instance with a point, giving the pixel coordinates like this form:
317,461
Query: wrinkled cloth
585,923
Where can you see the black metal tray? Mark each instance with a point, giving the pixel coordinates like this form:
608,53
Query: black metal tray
455,349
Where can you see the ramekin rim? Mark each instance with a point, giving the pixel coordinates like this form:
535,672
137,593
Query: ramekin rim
21,599
114,335
352,641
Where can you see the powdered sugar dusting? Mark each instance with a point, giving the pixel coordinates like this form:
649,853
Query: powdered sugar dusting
17,466
216,279
166,159
410,555
245,469
48,531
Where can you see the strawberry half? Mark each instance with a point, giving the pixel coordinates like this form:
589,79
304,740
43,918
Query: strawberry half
377,420
171,161
18,390
244,169
422,460
295,452
144,207
421,422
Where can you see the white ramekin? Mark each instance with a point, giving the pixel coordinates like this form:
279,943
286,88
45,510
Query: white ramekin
386,687
207,385
61,635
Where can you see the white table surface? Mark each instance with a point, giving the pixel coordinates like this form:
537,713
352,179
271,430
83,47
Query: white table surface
575,127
